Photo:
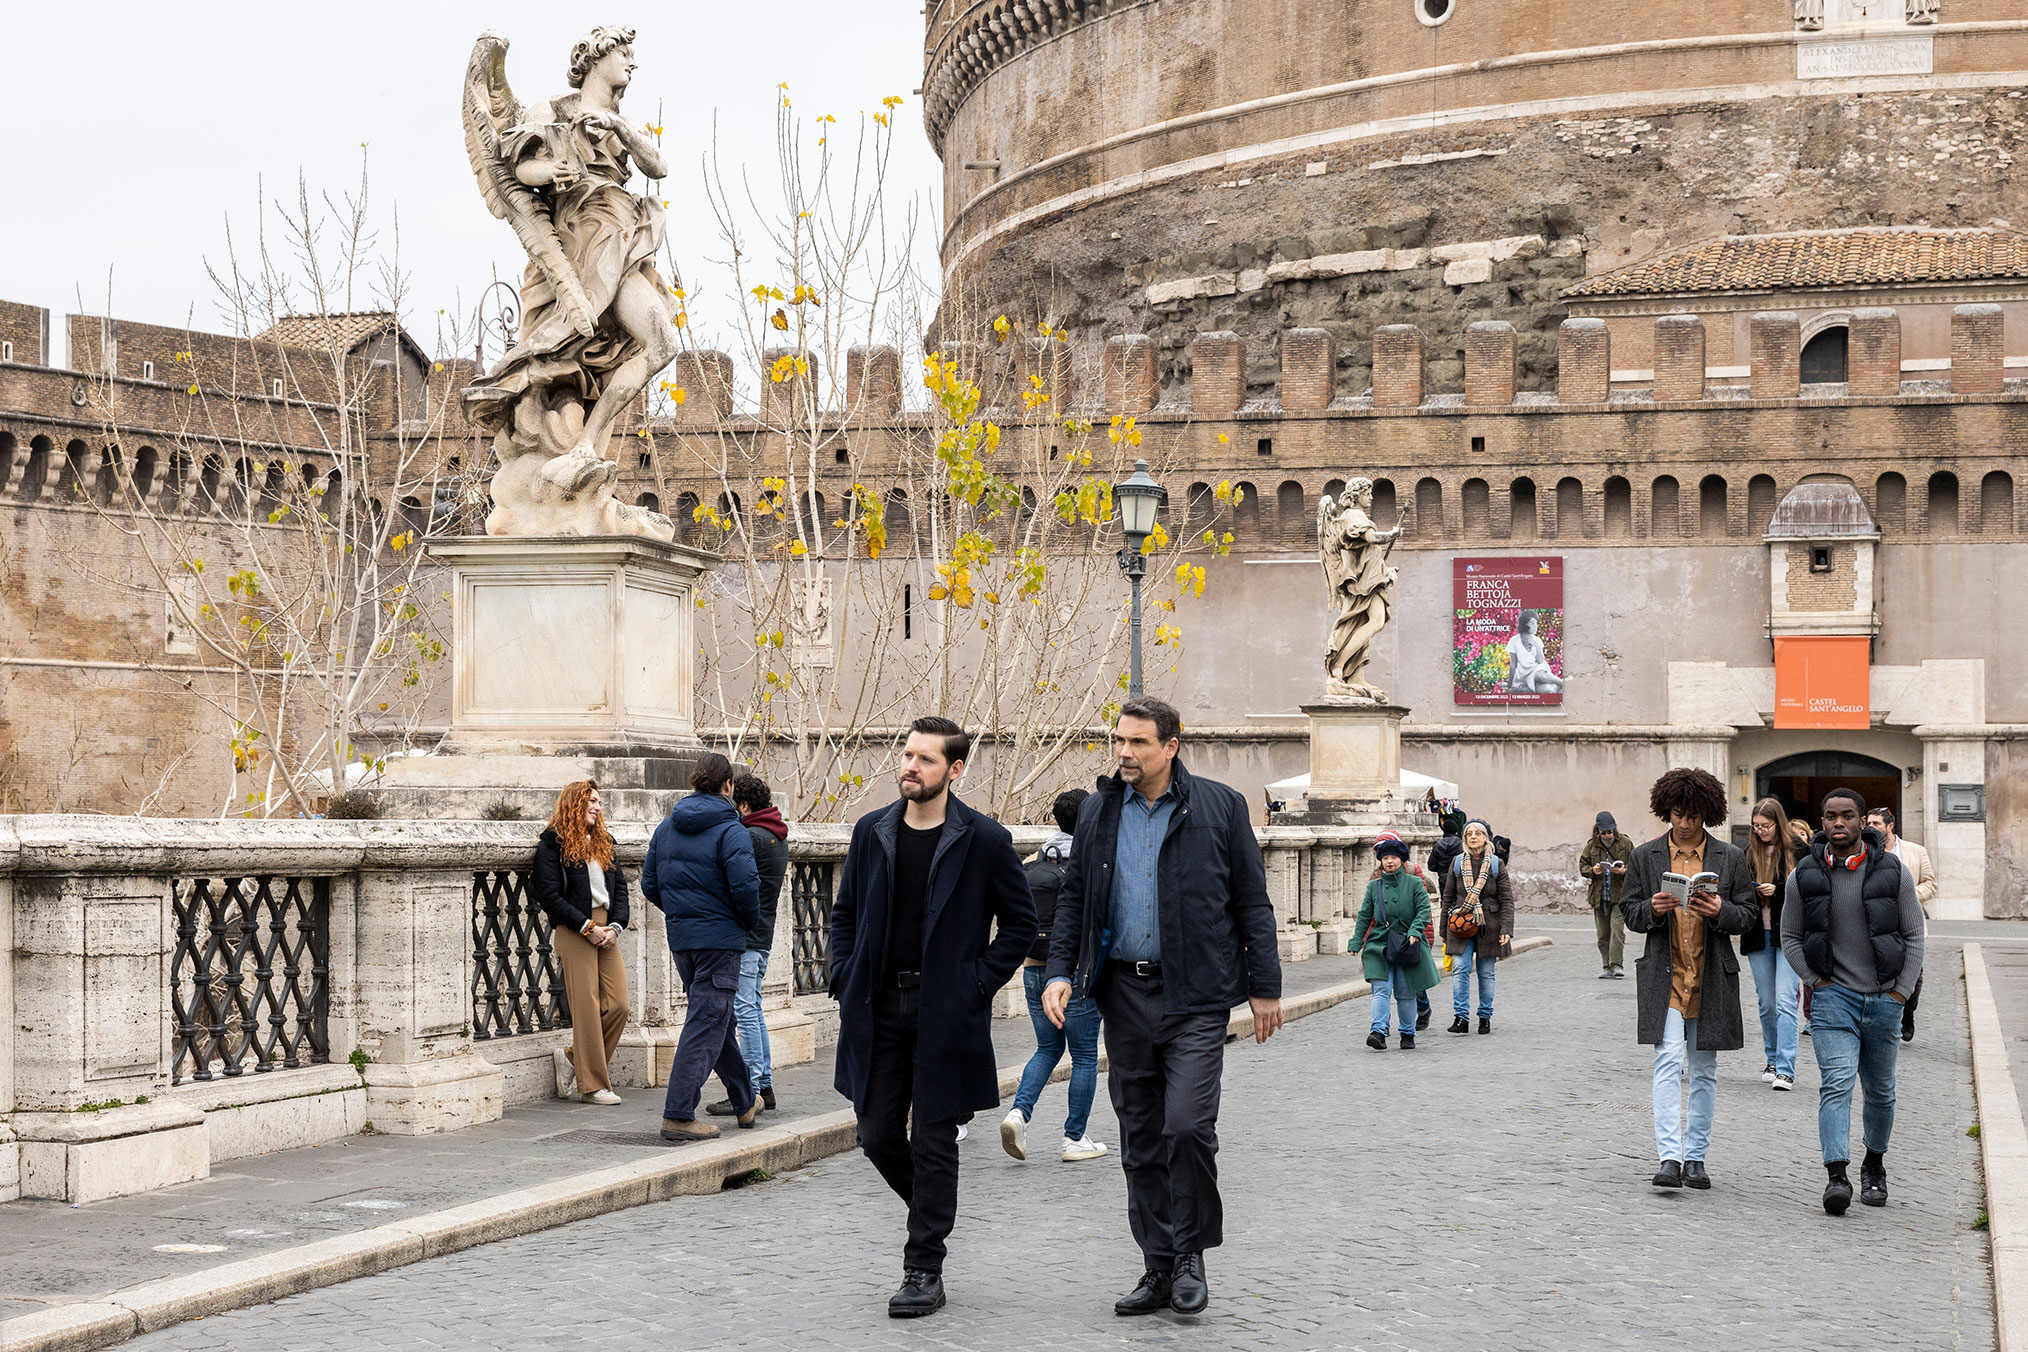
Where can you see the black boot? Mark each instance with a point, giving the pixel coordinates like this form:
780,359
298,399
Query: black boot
1485,1025
1670,1175
1422,1019
1694,1175
1838,1192
1873,1180
1151,1295
1377,1040
1408,1042
921,1293
767,1094
1187,1292
1461,1024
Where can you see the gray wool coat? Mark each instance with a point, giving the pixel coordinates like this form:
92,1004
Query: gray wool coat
1720,1026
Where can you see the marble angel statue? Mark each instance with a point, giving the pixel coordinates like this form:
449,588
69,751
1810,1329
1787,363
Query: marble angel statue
597,324
1354,552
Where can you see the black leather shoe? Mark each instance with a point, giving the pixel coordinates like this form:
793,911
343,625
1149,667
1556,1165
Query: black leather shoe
1461,1024
1907,1026
1377,1040
1670,1175
1872,1187
1485,1025
921,1293
722,1108
1837,1196
1187,1292
767,1094
1408,1042
1422,1021
1151,1295
1694,1175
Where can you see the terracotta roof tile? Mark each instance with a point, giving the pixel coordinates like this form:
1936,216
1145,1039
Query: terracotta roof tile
1819,258
323,332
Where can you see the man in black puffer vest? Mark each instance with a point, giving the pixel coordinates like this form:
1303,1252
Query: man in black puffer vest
1852,930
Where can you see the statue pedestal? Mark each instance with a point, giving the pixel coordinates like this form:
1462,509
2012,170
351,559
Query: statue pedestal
571,658
1355,751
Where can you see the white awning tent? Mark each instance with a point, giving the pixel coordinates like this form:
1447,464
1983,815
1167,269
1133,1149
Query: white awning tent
1413,786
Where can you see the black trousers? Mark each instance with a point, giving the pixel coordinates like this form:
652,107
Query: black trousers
922,1167
1908,1010
1165,1082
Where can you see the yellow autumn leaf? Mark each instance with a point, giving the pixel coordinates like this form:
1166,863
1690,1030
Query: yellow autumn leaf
780,320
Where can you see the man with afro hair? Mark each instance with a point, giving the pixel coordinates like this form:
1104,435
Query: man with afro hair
1687,981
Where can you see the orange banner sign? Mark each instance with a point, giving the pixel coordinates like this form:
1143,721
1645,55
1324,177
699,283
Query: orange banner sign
1823,682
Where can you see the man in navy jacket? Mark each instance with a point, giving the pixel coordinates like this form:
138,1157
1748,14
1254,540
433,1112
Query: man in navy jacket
915,961
700,874
1164,918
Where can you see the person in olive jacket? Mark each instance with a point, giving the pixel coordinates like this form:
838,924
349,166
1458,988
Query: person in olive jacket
1686,983
1603,866
932,917
1396,904
584,894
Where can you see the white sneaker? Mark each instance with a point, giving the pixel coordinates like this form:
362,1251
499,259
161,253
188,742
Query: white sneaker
605,1098
962,1133
1014,1133
566,1077
1784,1083
1083,1149
1767,1075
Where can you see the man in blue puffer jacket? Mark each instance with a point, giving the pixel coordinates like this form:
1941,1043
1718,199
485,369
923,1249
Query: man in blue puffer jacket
700,873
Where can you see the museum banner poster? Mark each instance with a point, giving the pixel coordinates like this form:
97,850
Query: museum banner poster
1507,631
1824,682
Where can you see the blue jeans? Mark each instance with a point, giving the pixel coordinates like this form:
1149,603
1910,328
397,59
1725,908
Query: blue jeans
1776,986
1394,990
1080,1033
1676,1139
1856,1037
1461,982
753,1029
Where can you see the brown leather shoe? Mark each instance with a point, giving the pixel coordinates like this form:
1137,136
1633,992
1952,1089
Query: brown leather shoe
752,1113
678,1129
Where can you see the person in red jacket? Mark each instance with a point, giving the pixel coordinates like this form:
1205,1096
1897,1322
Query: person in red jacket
1429,930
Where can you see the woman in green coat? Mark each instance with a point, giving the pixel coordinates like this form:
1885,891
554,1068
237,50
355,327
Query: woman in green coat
1396,905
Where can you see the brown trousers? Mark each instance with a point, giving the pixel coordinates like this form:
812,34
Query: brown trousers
595,986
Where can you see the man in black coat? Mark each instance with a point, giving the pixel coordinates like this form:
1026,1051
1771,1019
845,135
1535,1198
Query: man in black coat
1164,918
915,962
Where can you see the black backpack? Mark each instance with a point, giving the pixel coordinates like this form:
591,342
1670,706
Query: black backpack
1045,880
1502,847
1442,853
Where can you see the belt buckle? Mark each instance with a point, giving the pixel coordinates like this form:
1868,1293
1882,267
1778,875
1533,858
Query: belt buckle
1145,968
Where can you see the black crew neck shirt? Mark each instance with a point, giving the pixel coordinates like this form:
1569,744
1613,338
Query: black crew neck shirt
913,851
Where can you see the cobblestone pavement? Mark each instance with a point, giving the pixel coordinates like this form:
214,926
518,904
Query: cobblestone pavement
1484,1192
53,1252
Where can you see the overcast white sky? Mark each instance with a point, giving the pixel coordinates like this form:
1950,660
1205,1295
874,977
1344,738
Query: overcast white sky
137,131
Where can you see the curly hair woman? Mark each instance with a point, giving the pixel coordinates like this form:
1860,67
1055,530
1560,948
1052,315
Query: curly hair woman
1687,982
584,894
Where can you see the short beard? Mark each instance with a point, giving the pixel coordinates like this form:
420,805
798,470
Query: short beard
923,792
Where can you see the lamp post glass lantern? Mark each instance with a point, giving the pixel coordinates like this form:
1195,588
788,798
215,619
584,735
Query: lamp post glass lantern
1139,498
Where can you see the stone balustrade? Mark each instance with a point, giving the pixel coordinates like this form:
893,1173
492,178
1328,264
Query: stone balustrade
177,994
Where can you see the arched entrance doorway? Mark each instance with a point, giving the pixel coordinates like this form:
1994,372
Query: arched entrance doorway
1799,783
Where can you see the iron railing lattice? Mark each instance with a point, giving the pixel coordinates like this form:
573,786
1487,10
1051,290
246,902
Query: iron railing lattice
517,977
249,978
810,893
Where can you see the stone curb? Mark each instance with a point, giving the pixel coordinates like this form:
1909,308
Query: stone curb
2003,1142
696,1171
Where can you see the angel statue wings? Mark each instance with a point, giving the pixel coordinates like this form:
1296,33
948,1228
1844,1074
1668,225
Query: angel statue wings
1354,552
597,324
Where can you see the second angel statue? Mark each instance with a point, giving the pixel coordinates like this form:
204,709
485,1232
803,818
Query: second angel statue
597,319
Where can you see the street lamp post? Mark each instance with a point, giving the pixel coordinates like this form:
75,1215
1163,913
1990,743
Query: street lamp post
1139,498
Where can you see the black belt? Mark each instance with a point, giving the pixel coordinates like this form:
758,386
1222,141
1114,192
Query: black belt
903,981
1147,969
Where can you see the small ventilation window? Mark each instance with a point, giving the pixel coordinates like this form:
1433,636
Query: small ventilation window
6,352
844,455
1265,446
1052,452
147,370
276,386
1434,12
1478,445
1820,558
647,460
